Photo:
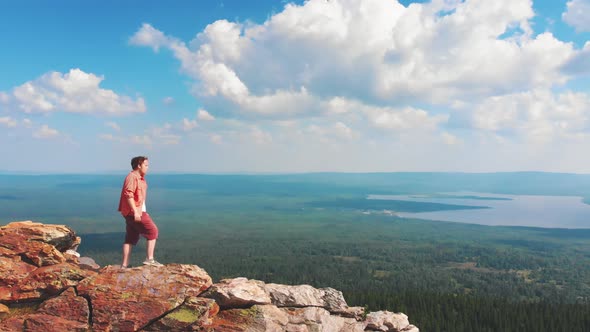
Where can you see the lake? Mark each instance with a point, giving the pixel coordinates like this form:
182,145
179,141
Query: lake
503,210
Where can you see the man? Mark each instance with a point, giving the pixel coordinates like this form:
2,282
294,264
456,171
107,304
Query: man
132,207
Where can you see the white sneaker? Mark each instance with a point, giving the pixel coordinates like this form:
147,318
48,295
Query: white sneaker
73,252
152,262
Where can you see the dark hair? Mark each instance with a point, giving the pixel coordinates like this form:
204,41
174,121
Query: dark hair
136,161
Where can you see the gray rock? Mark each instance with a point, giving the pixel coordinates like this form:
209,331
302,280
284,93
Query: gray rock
387,321
307,296
238,293
88,263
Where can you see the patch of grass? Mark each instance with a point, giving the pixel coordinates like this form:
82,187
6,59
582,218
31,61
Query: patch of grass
184,315
249,312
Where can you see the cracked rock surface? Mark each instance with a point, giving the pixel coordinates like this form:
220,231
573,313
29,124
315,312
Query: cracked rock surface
134,298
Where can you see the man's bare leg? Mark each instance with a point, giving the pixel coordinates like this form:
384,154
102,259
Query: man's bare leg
150,247
126,253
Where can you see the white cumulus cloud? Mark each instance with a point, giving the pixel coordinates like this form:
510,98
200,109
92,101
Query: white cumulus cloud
7,121
539,115
332,132
405,119
46,132
334,71
344,131
188,125
371,50
577,14
73,92
204,115
148,36
389,118
579,64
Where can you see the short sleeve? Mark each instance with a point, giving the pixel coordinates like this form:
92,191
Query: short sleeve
130,186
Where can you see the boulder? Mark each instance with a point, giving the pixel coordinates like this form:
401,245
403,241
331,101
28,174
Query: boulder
238,293
59,236
243,293
88,263
307,296
33,252
295,296
43,254
32,263
320,319
388,321
259,318
44,282
134,298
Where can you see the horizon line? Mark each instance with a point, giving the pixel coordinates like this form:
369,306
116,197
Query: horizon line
117,172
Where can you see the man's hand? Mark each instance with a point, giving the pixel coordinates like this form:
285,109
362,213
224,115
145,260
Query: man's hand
136,214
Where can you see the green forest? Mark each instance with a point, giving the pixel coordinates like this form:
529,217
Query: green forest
315,229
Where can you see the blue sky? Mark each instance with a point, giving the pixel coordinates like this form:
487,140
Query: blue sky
278,86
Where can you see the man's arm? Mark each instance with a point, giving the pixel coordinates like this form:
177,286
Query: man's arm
136,213
129,188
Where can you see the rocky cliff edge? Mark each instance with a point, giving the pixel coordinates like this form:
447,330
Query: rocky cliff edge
45,286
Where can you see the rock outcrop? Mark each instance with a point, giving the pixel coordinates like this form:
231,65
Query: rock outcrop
132,299
40,268
33,261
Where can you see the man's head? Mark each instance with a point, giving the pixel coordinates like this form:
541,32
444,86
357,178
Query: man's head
140,164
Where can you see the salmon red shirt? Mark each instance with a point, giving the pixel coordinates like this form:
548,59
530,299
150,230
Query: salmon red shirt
134,187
